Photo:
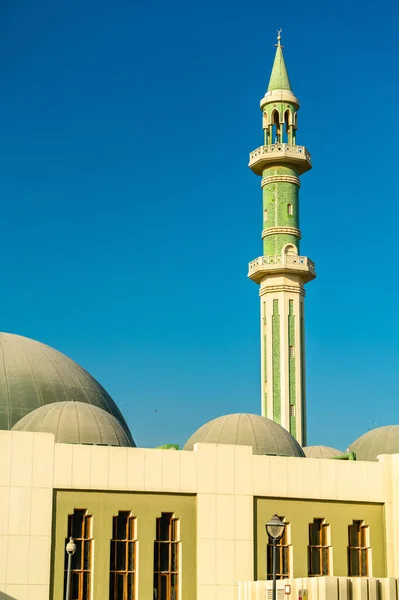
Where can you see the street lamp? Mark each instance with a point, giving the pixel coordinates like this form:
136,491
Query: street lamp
70,550
275,530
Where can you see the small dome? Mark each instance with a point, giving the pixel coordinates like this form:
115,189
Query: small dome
383,440
76,423
33,374
321,452
265,436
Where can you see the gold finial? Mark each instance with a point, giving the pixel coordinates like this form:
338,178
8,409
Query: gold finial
279,38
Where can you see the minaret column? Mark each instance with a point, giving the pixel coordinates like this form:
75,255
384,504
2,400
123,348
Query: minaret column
282,272
280,190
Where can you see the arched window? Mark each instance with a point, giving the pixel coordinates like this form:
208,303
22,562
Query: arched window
319,548
265,214
166,558
123,553
358,549
290,249
290,209
288,123
283,548
80,529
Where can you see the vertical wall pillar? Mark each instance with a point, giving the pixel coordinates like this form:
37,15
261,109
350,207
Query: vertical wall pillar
225,530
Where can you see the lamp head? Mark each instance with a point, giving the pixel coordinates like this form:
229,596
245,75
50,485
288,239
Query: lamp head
275,528
71,547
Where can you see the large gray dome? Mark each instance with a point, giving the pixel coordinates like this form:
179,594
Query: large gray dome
33,374
76,423
383,440
242,429
321,452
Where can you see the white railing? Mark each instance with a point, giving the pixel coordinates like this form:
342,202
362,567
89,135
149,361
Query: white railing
280,148
282,259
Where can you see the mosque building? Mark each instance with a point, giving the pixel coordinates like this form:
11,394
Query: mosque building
169,524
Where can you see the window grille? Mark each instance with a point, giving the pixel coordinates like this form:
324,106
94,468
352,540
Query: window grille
166,558
80,529
123,553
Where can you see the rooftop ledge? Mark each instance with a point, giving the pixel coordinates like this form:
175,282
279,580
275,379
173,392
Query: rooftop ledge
265,156
281,263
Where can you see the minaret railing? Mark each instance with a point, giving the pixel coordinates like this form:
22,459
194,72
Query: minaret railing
279,147
283,260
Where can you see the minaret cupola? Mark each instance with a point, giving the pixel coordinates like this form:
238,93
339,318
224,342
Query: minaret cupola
279,105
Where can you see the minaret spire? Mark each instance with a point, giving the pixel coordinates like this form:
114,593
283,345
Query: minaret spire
282,272
279,79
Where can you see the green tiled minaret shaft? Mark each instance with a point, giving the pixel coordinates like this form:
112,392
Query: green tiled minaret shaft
281,271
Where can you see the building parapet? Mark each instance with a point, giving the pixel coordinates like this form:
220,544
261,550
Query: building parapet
320,588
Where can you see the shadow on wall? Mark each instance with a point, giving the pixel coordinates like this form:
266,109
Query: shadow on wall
4,596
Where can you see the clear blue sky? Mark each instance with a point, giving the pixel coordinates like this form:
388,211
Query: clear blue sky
129,214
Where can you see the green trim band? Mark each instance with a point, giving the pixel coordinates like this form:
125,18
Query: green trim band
291,368
276,363
264,399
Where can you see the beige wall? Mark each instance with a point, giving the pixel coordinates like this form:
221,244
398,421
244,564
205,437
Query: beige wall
103,506
221,478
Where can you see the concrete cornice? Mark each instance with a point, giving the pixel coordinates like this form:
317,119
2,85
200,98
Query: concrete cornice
281,288
279,96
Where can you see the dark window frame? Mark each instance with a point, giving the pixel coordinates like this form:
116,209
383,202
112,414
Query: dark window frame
80,528
123,557
283,558
319,548
167,558
358,549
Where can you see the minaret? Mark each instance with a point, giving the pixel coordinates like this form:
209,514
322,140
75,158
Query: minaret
281,271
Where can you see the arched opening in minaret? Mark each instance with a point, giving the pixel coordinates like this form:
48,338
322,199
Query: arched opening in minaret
288,127
294,127
265,125
276,127
290,209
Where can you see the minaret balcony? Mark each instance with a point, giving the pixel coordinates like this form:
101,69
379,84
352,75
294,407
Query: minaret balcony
281,263
265,156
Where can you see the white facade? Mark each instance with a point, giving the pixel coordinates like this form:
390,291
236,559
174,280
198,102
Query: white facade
225,480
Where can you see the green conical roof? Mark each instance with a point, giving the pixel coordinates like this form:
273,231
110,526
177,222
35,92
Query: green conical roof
279,79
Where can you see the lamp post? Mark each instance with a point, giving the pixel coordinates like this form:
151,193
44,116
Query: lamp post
275,530
70,550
